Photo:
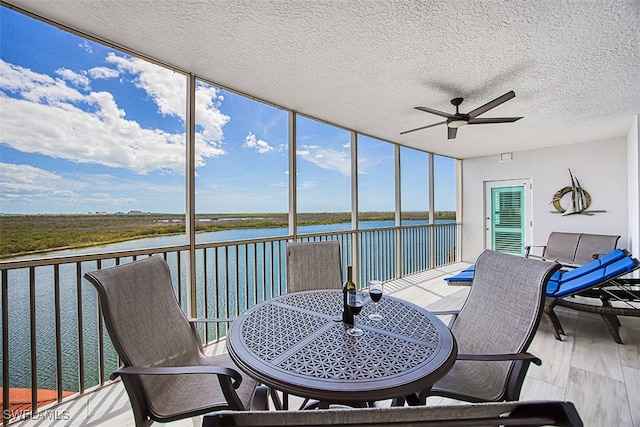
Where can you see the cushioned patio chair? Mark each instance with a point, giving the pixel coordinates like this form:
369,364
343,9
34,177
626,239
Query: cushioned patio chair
494,329
532,413
600,283
166,373
599,280
313,265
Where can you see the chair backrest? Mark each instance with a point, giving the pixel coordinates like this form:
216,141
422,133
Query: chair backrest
313,265
141,313
501,313
531,413
561,246
591,245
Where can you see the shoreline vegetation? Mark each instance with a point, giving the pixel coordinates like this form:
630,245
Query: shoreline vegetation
33,234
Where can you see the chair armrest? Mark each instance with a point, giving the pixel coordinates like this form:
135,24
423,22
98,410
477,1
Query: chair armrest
445,312
211,320
452,313
178,370
528,254
500,357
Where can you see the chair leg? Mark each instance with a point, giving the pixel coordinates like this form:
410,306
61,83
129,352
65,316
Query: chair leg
613,324
277,403
553,321
607,303
260,401
413,400
398,401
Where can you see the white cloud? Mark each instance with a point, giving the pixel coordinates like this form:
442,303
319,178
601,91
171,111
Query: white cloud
167,88
73,77
259,145
52,118
25,188
30,183
86,46
326,158
208,115
103,73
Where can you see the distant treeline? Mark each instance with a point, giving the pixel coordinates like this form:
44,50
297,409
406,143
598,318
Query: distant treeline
29,234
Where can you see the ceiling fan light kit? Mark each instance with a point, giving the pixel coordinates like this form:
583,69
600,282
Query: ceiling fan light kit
457,120
457,123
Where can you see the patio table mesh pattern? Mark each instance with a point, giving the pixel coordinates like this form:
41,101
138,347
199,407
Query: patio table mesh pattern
298,325
409,337
325,358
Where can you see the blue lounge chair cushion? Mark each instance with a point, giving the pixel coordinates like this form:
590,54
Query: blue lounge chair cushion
595,278
594,273
603,261
463,276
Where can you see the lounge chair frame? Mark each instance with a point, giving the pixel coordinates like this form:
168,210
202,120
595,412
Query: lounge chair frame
624,292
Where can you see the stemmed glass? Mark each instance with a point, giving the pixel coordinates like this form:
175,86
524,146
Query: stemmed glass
354,302
375,292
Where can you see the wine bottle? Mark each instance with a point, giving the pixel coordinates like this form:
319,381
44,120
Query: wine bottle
347,316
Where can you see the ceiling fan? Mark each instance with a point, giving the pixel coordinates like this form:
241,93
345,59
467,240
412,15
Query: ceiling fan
454,121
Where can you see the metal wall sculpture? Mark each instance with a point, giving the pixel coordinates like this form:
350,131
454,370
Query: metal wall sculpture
580,199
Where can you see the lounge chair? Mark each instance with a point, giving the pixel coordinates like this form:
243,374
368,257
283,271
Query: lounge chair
598,280
494,329
531,413
166,373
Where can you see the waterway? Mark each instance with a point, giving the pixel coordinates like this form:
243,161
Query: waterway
20,318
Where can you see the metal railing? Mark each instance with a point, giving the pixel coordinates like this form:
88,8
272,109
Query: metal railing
53,336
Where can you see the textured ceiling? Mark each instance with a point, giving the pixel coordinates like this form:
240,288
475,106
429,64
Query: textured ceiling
364,64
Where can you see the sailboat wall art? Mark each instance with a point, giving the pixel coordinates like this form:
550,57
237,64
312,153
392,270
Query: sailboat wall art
580,199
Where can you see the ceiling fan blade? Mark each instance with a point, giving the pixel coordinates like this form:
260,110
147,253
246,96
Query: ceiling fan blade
451,132
493,120
423,127
491,104
436,112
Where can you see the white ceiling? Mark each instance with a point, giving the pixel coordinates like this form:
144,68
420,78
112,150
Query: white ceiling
364,64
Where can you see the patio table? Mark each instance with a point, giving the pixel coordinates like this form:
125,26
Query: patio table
297,343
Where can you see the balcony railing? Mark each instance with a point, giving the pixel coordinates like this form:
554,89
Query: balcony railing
53,337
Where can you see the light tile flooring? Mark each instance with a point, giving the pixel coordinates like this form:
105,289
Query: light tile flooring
588,368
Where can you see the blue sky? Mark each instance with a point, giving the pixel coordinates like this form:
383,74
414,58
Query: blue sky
85,128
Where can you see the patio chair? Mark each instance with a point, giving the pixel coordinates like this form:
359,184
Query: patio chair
532,413
599,280
165,371
313,265
494,329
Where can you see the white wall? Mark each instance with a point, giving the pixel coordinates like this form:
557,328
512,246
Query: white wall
633,156
600,166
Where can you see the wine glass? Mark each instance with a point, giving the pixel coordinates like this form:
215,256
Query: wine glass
375,292
354,302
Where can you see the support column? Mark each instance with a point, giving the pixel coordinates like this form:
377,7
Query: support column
190,219
293,181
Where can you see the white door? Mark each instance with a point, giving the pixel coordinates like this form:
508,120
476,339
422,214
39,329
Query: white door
508,215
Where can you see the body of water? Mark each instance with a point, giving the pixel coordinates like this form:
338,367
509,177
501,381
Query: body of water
19,309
